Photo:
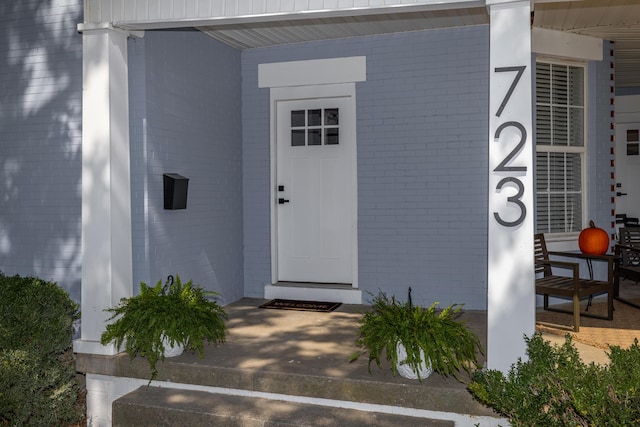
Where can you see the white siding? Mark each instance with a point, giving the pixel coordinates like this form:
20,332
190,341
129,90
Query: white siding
132,11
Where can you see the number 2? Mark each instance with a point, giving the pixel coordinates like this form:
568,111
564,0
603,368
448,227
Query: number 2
502,167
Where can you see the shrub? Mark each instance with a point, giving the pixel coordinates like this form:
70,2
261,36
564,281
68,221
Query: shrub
37,376
555,388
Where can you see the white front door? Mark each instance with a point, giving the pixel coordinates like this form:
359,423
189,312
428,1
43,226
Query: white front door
628,169
315,221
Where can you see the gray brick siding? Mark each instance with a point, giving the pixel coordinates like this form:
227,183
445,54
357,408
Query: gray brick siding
422,162
185,119
41,140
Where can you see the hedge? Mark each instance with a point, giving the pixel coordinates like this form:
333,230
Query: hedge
38,384
555,388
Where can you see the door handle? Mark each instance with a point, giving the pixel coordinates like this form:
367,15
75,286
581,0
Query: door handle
620,194
282,201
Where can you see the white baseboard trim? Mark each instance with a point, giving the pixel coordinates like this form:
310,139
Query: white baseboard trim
345,296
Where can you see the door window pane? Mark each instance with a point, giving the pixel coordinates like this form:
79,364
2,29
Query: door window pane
331,116
315,137
297,137
331,136
297,118
315,117
633,136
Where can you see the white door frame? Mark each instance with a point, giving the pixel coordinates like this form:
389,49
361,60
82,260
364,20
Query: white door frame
345,90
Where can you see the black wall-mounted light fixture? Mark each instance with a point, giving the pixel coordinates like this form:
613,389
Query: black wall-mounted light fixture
175,191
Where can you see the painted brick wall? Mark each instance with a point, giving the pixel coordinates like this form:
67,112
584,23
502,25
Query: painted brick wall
422,162
40,140
185,119
601,190
601,154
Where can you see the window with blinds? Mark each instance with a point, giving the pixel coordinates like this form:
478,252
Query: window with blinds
560,147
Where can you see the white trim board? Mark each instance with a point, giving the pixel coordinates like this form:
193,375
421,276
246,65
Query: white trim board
345,296
313,72
567,45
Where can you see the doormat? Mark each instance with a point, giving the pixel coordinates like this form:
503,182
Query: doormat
288,304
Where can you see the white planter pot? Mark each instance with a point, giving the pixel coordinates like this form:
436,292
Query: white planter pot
171,350
407,371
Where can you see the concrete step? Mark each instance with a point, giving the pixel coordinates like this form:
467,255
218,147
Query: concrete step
350,383
155,406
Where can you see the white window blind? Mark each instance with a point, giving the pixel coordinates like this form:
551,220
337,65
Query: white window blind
560,147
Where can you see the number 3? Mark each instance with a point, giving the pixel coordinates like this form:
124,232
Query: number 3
512,199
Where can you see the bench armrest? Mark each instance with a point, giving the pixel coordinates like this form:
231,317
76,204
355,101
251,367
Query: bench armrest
561,264
573,266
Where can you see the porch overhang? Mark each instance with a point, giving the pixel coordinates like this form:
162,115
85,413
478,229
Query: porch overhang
302,15
252,12
251,23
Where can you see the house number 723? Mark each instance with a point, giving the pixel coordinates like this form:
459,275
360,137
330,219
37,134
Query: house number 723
505,164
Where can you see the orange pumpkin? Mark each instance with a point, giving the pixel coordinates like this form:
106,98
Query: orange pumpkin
593,240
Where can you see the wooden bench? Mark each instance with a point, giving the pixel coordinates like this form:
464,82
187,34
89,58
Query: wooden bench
571,286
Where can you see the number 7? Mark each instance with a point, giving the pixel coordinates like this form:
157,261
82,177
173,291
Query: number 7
520,69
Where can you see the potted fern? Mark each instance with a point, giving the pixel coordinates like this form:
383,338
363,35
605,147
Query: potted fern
417,340
162,317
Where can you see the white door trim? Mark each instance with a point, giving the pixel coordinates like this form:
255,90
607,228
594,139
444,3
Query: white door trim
313,72
306,92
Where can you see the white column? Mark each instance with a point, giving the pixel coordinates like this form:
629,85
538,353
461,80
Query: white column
511,294
106,188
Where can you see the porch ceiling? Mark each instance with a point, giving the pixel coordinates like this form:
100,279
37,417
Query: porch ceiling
247,36
615,20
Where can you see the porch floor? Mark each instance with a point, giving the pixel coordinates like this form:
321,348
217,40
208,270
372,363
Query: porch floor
287,353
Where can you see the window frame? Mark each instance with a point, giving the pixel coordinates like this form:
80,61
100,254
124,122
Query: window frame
583,150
